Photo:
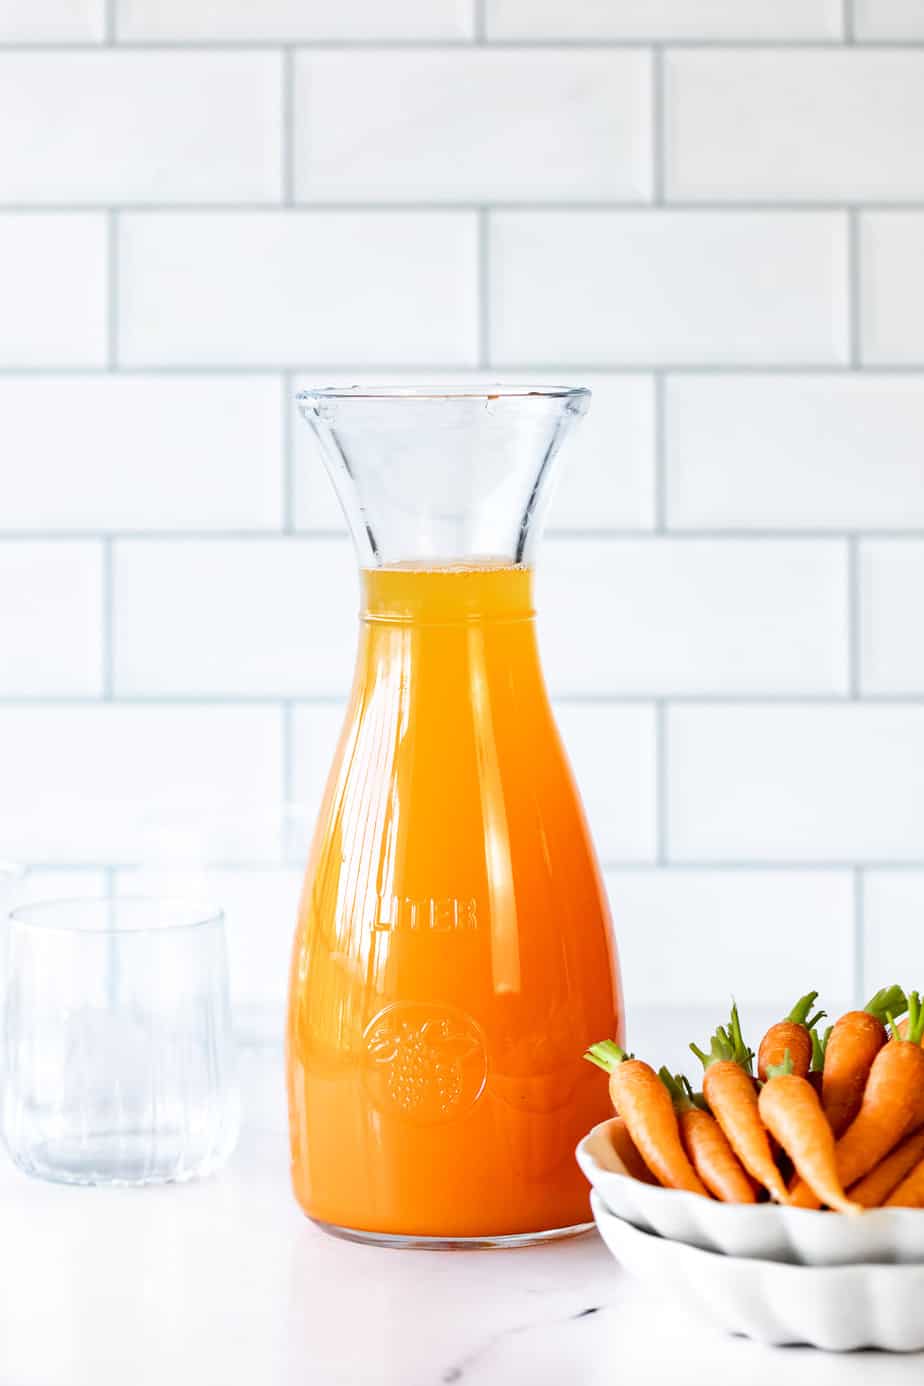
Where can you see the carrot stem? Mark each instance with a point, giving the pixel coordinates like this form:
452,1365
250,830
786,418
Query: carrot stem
800,1011
606,1055
819,1047
889,999
780,1070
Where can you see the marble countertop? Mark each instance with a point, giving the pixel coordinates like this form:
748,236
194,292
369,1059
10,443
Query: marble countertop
225,1283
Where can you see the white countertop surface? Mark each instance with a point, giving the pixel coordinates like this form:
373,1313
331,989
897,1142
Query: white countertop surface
225,1283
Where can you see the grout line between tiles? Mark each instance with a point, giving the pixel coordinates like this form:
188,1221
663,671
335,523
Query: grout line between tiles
657,125
662,771
565,371
484,288
288,450
388,45
608,864
108,621
217,697
660,453
552,206
554,534
110,35
859,937
849,21
854,322
288,127
288,751
480,21
854,619
112,290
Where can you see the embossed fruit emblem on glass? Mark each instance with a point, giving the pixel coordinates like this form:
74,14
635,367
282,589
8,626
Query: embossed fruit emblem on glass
426,1062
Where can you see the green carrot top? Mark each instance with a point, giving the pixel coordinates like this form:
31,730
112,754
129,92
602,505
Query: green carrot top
780,1070
888,1001
727,1043
819,1047
799,1015
607,1055
915,1020
679,1089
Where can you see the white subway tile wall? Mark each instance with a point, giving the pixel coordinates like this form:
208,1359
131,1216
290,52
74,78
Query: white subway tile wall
710,211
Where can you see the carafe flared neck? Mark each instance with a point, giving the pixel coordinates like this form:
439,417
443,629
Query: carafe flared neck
434,477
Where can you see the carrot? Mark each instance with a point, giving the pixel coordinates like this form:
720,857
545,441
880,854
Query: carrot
645,1106
613,1148
910,1192
853,1044
729,1089
875,1187
707,1146
794,1034
790,1109
891,1105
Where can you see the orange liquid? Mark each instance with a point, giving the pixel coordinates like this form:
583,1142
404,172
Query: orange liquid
453,957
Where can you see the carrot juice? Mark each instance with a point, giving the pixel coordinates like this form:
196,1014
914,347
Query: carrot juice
453,958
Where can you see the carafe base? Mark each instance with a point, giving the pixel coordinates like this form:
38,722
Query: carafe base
412,1243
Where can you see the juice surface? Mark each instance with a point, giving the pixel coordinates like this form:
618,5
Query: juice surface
453,958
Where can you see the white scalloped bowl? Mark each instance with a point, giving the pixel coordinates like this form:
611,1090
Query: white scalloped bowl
763,1231
839,1308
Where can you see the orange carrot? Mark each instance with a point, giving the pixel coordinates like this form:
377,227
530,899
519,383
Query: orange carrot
793,1034
707,1146
891,1105
645,1106
790,1109
910,1192
853,1044
729,1089
874,1188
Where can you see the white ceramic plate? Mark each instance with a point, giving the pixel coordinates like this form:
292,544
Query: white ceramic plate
839,1308
763,1230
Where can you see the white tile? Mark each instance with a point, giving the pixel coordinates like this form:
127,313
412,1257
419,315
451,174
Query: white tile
817,125
53,289
685,287
51,619
248,617
612,753
473,125
691,934
888,19
894,939
295,19
39,886
816,452
140,127
663,19
136,452
86,784
51,21
693,616
892,583
607,467
260,908
788,783
392,288
892,287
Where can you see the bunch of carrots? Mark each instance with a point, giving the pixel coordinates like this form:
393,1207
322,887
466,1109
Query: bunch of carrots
832,1120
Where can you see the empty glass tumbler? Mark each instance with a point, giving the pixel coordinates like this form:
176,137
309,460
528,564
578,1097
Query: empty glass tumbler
118,1063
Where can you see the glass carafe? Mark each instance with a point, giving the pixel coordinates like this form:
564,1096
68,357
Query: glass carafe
454,955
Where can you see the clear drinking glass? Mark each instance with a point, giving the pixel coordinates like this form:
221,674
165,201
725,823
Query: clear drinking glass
118,1063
